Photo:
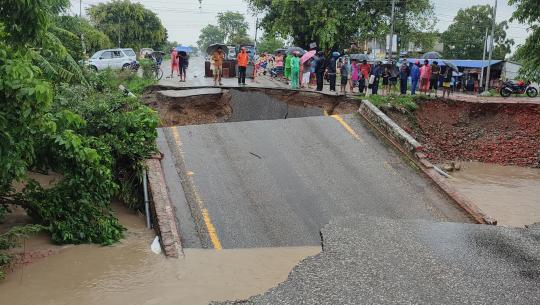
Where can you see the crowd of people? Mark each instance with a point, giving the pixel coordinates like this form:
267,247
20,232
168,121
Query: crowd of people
311,71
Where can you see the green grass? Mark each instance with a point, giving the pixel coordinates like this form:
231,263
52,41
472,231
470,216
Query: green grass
407,102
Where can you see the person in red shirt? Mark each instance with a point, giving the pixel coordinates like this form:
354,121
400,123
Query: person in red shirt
242,60
365,70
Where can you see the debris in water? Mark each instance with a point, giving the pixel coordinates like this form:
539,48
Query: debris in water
255,155
156,247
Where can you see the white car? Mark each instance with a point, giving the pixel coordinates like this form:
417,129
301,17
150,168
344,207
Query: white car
112,58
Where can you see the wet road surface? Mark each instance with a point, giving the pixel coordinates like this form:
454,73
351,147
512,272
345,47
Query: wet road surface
278,182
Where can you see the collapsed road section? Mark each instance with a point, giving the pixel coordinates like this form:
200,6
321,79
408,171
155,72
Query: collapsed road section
257,175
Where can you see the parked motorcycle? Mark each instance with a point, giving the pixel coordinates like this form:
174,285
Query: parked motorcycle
520,87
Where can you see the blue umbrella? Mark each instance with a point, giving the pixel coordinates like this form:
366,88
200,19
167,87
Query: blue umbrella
184,49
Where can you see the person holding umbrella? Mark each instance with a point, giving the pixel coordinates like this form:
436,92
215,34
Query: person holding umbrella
305,61
242,60
288,65
182,65
447,81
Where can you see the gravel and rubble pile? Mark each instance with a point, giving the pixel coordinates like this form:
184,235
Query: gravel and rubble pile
506,134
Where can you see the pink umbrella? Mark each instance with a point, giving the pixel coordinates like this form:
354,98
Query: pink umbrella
307,56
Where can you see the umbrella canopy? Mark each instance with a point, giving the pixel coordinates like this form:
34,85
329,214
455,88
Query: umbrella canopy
307,56
432,55
184,49
211,48
359,57
280,50
450,65
290,50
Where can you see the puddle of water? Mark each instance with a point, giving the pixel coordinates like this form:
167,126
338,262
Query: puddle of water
129,273
509,194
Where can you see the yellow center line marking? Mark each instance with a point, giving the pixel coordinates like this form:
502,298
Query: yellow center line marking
200,204
346,126
325,113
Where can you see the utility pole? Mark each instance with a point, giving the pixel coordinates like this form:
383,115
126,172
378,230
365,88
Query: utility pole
491,46
483,58
390,44
256,30
80,8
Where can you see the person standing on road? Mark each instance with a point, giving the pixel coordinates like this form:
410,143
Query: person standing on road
375,76
295,70
344,79
278,60
242,60
386,81
434,79
319,70
332,65
174,62
447,82
288,66
354,75
182,65
425,74
365,69
404,72
306,68
415,76
217,65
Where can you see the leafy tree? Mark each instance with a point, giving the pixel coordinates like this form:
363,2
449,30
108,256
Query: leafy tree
234,27
210,34
128,24
528,11
464,38
335,23
269,43
70,29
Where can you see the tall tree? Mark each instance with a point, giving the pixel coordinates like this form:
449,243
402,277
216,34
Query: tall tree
528,11
128,24
210,34
74,31
334,23
269,43
234,27
464,38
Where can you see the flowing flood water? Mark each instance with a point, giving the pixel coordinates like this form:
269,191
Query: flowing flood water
129,273
509,194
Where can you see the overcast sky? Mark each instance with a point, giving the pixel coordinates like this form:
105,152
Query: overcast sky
184,20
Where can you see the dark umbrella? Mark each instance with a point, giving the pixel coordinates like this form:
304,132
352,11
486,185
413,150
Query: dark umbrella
280,50
211,48
451,65
360,57
432,55
290,50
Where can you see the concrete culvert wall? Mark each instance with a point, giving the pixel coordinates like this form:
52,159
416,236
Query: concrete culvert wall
213,105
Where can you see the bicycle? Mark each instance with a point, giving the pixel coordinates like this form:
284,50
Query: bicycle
157,71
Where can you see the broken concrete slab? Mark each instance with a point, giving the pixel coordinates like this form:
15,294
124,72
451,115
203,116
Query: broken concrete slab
369,260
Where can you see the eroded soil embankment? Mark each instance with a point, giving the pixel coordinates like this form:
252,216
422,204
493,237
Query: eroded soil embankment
214,105
506,134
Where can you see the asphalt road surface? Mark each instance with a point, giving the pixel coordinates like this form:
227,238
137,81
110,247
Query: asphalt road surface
278,182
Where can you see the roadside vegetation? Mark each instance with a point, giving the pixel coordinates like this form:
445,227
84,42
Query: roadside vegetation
403,103
57,116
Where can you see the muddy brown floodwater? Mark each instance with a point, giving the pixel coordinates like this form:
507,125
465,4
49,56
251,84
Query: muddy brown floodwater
129,273
509,194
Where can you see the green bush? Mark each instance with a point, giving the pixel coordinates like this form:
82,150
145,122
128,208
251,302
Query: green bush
406,102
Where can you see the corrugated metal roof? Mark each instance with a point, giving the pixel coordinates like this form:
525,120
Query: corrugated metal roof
461,63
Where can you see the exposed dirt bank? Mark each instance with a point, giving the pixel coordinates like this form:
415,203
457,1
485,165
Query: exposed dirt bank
213,105
505,134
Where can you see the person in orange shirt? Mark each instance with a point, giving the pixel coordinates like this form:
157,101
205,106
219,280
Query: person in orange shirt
242,60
